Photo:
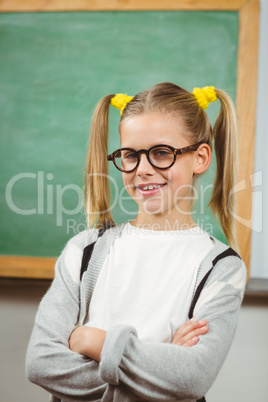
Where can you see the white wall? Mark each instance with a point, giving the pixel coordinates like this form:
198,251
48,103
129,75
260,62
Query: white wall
243,377
259,266
19,300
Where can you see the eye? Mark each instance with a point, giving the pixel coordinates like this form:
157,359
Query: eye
130,155
161,153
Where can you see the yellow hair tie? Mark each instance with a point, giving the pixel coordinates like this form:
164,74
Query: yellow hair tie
204,96
120,100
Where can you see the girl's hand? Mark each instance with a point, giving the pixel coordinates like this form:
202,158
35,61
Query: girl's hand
188,334
87,341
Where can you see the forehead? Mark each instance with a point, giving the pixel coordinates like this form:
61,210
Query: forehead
148,129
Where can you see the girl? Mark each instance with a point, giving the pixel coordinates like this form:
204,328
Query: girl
122,333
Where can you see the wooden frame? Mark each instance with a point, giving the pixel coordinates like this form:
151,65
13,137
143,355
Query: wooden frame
34,267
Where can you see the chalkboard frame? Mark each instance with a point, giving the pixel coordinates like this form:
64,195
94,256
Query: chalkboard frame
43,267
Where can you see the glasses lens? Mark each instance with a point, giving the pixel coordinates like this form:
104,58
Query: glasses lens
161,157
126,159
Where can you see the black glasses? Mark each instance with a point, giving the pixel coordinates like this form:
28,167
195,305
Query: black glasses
159,156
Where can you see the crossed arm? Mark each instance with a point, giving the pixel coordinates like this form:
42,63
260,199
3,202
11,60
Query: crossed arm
152,371
89,341
184,369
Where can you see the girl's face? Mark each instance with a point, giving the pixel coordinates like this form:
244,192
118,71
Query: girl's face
168,195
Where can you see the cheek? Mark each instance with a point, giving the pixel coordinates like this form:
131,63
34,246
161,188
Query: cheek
128,182
181,178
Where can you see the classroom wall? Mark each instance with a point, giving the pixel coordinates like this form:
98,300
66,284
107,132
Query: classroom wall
244,374
259,266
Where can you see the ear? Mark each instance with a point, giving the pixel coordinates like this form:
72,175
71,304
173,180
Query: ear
202,158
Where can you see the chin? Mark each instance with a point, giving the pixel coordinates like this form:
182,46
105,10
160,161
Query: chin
153,207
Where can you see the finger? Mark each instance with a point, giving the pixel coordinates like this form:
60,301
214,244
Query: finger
189,321
194,339
197,332
181,331
181,339
191,342
189,327
184,328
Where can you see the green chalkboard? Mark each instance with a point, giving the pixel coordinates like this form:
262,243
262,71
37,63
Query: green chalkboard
54,67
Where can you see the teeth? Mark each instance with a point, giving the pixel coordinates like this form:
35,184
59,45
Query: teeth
150,187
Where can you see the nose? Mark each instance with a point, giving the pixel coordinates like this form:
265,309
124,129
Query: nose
144,166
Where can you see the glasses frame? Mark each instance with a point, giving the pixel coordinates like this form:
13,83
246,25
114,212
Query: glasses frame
175,151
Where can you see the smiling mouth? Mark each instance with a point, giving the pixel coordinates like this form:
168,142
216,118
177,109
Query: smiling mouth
150,187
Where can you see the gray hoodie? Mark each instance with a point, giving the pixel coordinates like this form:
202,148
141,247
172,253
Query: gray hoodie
130,369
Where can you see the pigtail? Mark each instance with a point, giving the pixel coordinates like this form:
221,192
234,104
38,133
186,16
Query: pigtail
223,199
97,193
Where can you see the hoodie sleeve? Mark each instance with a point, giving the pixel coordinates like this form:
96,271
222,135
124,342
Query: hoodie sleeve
161,371
49,361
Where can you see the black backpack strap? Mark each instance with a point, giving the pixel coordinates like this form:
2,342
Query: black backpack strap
87,253
228,252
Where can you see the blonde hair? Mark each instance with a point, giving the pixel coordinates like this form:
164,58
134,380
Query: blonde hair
178,102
